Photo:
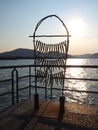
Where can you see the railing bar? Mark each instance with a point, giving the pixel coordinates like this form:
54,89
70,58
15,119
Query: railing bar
52,88
82,66
73,78
72,66
23,77
82,79
68,66
69,90
23,88
5,93
5,80
11,79
83,91
11,92
53,77
26,76
15,66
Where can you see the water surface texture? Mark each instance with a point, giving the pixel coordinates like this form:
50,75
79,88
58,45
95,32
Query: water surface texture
71,96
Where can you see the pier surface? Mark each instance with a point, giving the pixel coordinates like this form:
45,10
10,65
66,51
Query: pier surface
23,117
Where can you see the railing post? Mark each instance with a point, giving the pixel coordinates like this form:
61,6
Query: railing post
51,84
51,92
13,101
62,98
36,101
29,82
17,93
14,71
45,88
62,102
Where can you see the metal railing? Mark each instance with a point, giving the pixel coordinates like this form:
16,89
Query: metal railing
15,81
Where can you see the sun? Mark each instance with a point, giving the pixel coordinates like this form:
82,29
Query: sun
77,28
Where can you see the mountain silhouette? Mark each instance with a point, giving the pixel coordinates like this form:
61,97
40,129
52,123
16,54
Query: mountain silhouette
18,53
29,53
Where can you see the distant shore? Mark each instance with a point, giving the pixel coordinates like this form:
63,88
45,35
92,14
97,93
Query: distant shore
21,53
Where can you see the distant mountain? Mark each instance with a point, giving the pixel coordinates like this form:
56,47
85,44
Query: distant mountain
29,53
94,55
18,53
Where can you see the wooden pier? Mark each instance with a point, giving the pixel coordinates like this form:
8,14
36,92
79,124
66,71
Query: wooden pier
23,116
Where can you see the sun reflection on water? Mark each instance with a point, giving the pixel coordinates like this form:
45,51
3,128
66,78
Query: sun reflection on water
75,84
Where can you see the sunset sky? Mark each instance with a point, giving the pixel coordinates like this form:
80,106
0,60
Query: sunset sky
18,19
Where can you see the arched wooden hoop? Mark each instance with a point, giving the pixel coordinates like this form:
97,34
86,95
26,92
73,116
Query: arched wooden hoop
39,23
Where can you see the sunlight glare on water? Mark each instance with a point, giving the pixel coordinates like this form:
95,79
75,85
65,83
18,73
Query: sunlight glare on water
76,84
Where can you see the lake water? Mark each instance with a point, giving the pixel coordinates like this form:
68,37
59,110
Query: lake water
88,98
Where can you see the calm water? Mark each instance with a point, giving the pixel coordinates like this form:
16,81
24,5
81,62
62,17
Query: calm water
70,84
